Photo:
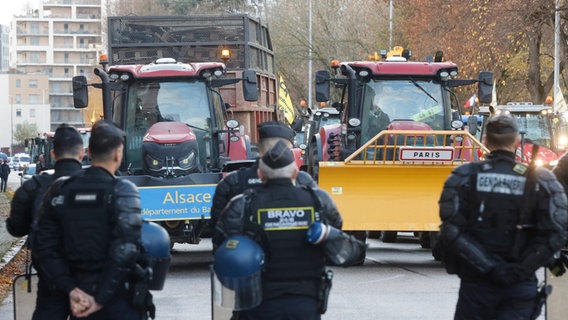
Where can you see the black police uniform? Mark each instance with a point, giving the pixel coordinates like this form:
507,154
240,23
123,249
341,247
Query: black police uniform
89,237
50,305
237,182
277,215
501,221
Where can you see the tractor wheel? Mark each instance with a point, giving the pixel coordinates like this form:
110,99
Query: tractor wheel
389,236
374,235
434,235
424,239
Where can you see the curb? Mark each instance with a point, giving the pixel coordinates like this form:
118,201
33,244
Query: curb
10,254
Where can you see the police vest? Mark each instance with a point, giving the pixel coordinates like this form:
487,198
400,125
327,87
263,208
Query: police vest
498,204
285,214
85,211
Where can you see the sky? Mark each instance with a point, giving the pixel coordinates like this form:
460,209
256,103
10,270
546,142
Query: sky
9,7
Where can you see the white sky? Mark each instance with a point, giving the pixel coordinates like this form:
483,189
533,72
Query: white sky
9,7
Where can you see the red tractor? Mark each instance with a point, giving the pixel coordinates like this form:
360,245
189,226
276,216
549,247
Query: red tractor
399,136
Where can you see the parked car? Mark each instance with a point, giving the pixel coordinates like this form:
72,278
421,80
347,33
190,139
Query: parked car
21,160
27,173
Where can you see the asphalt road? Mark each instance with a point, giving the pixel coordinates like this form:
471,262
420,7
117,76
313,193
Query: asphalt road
398,281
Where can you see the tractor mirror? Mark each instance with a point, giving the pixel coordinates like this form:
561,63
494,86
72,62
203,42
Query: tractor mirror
485,87
322,85
250,90
80,92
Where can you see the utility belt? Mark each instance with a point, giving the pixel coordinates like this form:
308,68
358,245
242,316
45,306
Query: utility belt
318,289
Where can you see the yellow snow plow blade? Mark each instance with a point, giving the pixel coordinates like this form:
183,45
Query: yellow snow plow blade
394,181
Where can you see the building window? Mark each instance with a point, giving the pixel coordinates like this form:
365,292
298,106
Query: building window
33,98
32,113
18,98
34,41
18,113
35,57
18,83
32,83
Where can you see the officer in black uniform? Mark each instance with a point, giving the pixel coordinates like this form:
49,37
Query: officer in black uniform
237,182
89,233
67,152
277,215
501,221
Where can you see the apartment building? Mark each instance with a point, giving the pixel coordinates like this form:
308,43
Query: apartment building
4,48
61,39
24,99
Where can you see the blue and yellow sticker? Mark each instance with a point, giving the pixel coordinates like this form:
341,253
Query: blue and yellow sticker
177,202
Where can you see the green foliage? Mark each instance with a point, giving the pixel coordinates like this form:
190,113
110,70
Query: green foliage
24,131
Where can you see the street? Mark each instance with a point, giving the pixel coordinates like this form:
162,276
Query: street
397,281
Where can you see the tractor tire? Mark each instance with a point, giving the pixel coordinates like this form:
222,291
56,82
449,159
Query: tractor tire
424,239
389,236
434,235
374,235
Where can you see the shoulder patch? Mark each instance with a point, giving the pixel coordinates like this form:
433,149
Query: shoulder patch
520,168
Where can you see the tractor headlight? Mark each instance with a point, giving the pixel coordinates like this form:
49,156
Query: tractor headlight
188,161
153,163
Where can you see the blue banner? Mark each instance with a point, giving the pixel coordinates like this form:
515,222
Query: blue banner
177,202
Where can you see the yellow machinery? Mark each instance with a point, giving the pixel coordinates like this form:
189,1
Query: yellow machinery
394,181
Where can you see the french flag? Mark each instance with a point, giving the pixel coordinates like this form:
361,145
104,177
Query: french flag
471,102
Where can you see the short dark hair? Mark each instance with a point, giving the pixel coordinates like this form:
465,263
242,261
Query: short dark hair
501,131
67,142
105,138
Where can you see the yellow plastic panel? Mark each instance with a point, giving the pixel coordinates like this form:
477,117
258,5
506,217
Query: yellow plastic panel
385,197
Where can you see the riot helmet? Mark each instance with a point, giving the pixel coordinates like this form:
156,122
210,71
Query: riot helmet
238,266
155,253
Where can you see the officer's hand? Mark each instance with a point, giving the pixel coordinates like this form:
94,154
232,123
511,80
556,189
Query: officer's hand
508,274
558,267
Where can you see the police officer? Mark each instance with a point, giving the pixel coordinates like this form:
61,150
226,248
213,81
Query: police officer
67,152
501,221
237,182
89,233
277,215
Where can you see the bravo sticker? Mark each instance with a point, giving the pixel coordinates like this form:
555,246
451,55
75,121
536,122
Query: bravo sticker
274,219
176,202
426,154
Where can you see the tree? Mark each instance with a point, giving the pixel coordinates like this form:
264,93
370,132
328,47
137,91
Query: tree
340,30
25,131
514,39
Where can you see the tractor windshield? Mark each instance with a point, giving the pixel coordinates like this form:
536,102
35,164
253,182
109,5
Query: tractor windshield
155,101
185,102
405,99
536,127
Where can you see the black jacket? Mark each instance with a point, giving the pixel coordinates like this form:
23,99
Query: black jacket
89,233
28,197
463,215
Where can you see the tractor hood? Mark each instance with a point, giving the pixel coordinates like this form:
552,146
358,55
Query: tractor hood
170,149
169,132
545,156
407,125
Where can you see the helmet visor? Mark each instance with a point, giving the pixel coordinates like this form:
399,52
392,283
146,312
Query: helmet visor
237,293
